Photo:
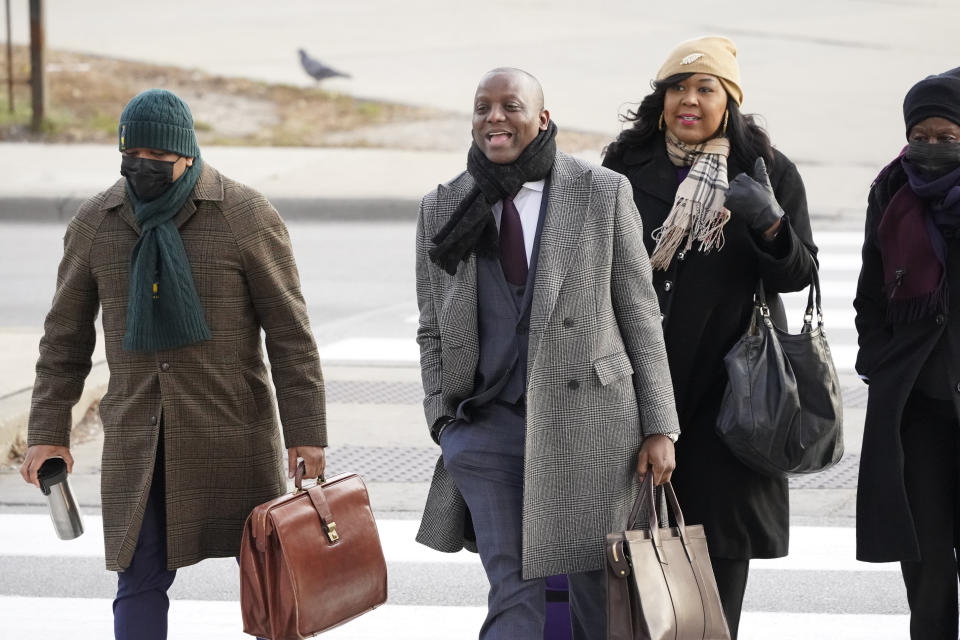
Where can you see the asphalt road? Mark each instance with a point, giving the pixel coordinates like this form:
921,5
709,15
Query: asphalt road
356,277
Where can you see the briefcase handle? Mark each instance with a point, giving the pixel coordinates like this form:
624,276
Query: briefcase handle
300,473
647,496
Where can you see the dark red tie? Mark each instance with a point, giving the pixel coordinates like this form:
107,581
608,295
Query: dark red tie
513,253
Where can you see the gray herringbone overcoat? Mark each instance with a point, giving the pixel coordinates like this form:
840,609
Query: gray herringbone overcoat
221,442
598,379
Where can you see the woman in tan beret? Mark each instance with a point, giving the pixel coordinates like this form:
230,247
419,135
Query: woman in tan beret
721,209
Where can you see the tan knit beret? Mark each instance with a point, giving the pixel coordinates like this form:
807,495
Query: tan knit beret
715,55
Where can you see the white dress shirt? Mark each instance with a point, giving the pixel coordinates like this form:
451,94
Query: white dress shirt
528,202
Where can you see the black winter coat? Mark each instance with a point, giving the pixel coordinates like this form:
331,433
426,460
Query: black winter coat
706,301
891,356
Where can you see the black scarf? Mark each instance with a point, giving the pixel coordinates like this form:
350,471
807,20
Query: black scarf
472,226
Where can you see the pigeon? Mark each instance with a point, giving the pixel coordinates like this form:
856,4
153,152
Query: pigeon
317,70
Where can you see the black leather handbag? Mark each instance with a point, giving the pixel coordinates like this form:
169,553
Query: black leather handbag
782,412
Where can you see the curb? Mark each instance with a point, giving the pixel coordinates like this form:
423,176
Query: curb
52,209
15,407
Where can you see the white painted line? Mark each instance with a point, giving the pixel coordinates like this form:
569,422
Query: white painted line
839,261
847,239
33,535
834,317
372,349
844,355
92,619
398,538
804,626
811,548
822,549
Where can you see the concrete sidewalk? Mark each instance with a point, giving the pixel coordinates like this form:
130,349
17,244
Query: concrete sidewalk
47,182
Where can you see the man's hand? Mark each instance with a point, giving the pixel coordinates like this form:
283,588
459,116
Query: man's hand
313,460
657,450
37,455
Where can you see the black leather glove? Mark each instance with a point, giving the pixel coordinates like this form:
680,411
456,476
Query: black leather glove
752,199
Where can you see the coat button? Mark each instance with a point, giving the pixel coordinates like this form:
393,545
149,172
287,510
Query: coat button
667,285
165,366
568,322
958,387
153,419
574,385
681,256
940,319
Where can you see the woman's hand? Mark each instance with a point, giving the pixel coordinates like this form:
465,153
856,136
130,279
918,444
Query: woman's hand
752,199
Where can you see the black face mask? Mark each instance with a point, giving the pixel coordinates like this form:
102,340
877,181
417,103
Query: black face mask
934,160
149,179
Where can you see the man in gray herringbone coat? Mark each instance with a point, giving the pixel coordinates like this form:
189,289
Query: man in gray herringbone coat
544,371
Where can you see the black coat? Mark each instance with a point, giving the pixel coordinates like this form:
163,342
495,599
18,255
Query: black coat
892,356
706,301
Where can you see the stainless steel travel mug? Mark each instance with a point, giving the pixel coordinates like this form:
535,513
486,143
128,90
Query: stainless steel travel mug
63,508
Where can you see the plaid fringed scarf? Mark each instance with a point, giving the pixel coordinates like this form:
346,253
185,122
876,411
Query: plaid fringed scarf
698,212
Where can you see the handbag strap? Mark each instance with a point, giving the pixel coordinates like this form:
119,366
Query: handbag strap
814,304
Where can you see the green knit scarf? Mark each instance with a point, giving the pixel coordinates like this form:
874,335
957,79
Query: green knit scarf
164,310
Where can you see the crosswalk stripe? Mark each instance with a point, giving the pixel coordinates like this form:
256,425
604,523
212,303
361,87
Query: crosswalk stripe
33,535
89,619
92,619
839,269
812,548
828,240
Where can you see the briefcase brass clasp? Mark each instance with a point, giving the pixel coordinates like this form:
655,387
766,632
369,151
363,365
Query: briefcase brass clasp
332,532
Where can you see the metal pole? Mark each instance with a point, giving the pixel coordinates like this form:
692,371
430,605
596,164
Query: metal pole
9,60
38,48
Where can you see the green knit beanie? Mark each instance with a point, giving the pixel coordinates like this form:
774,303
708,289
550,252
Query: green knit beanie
158,119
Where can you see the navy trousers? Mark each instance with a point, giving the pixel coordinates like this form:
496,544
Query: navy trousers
141,606
485,459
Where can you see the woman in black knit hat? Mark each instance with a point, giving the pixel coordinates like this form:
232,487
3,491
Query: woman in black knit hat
908,320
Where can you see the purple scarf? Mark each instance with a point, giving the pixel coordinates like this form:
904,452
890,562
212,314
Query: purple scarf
912,245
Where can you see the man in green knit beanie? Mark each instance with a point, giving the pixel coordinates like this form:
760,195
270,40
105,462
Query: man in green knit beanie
189,268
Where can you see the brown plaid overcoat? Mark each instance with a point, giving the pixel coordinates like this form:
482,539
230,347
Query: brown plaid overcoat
598,380
220,436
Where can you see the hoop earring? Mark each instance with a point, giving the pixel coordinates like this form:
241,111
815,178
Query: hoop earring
660,125
726,117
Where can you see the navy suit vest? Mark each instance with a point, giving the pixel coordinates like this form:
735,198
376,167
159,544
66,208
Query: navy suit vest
503,322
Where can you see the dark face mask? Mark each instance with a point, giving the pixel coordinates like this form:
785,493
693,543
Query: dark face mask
149,179
934,160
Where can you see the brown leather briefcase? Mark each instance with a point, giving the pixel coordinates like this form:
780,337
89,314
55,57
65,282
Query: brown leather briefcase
311,560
